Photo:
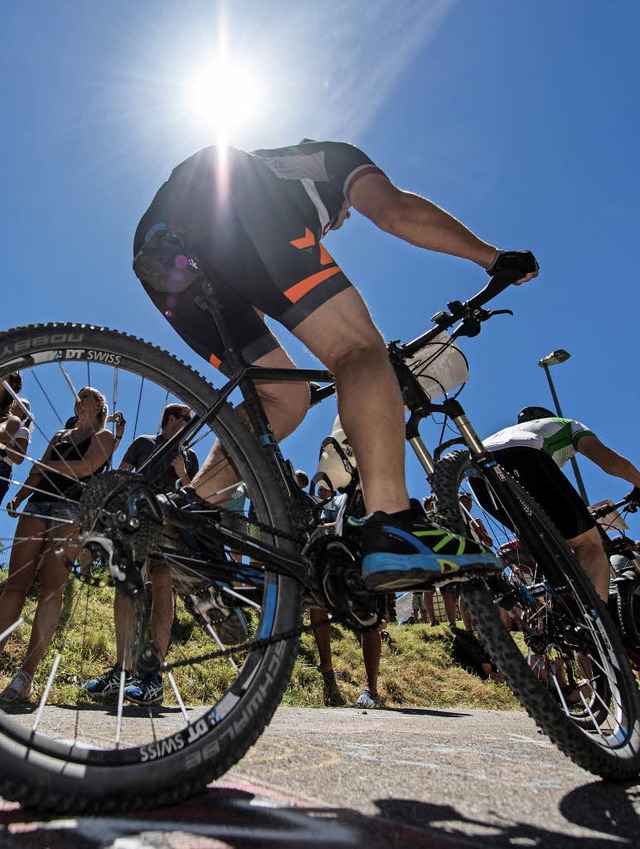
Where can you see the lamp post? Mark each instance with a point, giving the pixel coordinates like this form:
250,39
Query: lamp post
554,359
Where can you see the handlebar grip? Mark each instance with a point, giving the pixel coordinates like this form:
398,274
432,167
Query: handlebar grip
500,281
507,268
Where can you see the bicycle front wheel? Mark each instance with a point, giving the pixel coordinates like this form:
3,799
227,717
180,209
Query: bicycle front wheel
65,749
561,654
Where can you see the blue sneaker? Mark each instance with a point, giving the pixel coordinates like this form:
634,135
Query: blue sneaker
146,690
107,684
401,553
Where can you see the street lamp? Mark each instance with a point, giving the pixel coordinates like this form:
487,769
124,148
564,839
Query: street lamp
554,359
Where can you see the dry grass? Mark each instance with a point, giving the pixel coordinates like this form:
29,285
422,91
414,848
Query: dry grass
416,669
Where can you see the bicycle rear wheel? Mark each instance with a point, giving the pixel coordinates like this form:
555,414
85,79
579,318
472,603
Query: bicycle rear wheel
70,752
562,656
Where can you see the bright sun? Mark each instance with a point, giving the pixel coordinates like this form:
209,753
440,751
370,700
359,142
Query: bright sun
223,96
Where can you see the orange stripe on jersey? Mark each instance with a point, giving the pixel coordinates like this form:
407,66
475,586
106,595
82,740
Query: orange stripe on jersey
215,361
307,241
300,289
325,256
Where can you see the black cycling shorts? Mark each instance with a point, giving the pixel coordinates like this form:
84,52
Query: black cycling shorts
536,472
255,249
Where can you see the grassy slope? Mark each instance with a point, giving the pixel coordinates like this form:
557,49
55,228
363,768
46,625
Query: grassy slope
417,671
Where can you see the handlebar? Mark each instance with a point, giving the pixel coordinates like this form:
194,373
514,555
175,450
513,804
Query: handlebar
470,310
627,501
497,284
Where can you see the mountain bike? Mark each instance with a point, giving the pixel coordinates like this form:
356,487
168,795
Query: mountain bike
255,570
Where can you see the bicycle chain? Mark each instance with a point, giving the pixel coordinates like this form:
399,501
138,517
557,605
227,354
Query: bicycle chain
251,645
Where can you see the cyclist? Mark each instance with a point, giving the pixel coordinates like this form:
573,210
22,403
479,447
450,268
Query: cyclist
533,451
255,221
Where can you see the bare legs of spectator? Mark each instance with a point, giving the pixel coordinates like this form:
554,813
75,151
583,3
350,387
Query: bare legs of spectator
371,650
162,606
31,548
429,610
450,608
322,632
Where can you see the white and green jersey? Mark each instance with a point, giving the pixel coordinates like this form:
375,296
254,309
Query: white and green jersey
558,438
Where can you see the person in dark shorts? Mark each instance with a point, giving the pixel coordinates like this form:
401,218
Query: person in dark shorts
533,451
148,689
254,224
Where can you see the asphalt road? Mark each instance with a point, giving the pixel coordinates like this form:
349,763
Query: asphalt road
374,779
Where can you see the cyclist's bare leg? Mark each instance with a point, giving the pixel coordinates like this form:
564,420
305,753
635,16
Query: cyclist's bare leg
285,405
342,335
594,561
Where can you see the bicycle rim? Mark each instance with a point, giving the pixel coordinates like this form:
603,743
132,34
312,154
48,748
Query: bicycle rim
66,750
569,669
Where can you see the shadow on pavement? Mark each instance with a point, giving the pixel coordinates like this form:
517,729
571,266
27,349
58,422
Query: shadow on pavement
236,818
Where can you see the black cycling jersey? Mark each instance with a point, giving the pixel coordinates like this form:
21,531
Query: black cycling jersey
255,221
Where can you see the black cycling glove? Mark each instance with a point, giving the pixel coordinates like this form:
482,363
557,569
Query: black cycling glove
523,261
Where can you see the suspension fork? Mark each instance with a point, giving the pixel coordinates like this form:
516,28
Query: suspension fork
456,413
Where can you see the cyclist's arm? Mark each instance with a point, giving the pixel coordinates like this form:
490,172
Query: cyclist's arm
417,220
608,460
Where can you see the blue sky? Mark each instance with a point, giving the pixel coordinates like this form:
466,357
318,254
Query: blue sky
519,118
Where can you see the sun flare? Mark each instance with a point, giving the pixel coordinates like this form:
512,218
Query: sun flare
223,96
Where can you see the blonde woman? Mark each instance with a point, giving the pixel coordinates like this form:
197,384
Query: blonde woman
52,487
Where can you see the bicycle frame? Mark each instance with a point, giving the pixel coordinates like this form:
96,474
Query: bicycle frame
469,314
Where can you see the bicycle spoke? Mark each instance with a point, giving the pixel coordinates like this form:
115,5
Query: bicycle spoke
227,618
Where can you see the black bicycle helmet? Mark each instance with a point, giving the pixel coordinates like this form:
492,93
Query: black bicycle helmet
530,414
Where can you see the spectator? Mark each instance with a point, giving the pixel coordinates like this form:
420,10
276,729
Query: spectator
52,487
148,689
9,426
302,478
332,501
16,448
476,525
331,472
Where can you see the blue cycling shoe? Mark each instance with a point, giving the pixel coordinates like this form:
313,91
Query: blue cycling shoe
404,551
